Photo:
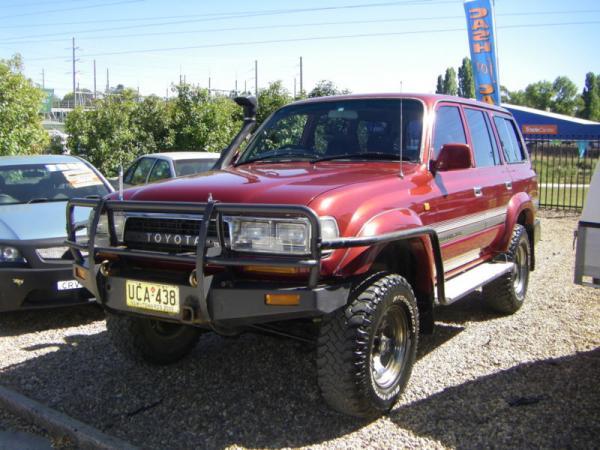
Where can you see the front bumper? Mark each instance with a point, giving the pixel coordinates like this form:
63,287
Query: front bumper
26,288
237,305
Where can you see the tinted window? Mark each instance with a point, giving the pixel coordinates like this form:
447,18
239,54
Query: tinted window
511,144
481,137
448,128
191,166
29,183
160,171
140,173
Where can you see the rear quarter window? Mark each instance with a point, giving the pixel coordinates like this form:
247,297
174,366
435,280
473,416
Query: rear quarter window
509,139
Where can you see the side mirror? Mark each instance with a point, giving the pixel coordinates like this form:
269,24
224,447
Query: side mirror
452,157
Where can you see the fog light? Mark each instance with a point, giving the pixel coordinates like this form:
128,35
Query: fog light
193,279
104,268
282,299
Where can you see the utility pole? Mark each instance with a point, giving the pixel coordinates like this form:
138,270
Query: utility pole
245,86
301,77
208,85
73,60
256,78
236,90
43,80
94,79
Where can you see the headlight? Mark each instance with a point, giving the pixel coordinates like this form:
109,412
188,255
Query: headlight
11,255
273,235
102,230
269,235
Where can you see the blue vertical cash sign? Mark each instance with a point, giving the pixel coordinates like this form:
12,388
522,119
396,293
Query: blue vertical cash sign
482,30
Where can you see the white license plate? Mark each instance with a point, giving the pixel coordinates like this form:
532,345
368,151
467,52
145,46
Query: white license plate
67,285
152,296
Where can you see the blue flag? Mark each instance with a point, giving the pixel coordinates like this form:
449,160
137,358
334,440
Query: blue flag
481,28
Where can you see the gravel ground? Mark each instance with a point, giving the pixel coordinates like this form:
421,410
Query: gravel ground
481,380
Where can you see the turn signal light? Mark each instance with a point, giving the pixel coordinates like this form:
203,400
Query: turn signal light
272,269
282,299
80,272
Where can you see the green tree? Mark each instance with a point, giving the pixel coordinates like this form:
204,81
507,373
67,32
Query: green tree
270,99
539,95
199,121
450,86
466,83
439,89
591,97
106,135
325,88
566,99
21,130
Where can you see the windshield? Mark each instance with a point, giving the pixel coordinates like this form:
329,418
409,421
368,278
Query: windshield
191,166
33,183
346,130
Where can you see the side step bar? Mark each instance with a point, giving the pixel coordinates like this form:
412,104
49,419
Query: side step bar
473,279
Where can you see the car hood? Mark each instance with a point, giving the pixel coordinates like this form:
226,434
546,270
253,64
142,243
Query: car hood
297,183
36,220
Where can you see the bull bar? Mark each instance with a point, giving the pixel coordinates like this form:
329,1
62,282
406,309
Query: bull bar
214,210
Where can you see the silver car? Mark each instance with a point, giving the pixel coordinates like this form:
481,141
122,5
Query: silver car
159,166
35,263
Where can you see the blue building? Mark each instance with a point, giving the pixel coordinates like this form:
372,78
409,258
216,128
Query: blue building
556,126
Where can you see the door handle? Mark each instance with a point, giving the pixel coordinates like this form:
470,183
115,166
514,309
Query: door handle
477,190
508,185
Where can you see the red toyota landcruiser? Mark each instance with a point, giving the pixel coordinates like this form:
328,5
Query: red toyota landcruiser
355,214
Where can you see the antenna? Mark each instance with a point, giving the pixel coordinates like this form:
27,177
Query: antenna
401,174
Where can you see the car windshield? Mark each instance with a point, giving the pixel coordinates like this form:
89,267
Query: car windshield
191,166
36,183
353,130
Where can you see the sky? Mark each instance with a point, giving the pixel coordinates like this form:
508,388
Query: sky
361,45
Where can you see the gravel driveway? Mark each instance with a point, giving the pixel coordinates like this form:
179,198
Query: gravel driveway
481,380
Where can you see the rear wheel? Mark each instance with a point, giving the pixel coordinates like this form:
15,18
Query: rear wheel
507,294
149,340
366,351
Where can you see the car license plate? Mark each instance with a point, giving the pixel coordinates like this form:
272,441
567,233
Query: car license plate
67,285
152,296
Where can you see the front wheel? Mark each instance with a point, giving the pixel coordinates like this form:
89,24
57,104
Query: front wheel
366,351
507,294
149,340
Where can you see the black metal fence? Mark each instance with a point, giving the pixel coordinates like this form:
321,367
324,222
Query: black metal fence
565,167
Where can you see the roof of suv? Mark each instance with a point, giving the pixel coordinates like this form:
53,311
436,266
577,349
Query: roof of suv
429,99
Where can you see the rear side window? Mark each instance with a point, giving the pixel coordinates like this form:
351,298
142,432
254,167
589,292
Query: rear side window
511,144
486,155
448,128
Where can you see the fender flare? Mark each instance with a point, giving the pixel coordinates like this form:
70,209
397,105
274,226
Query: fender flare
358,260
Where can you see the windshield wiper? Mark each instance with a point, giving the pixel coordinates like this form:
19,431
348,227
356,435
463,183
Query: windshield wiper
300,154
47,200
367,155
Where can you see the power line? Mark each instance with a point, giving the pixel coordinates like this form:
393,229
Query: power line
49,11
314,38
242,15
302,25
